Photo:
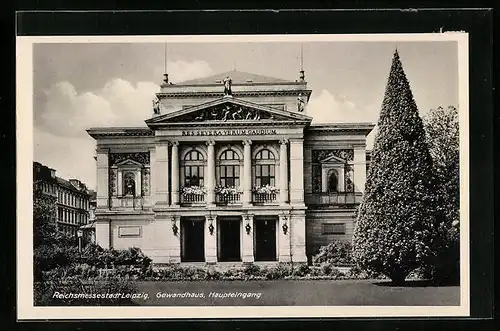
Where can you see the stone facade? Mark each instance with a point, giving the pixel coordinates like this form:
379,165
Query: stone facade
229,178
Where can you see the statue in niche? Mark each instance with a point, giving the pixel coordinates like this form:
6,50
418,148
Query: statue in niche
300,103
129,185
227,86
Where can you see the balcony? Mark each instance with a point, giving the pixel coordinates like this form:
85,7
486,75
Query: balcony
127,202
228,198
263,198
336,199
190,199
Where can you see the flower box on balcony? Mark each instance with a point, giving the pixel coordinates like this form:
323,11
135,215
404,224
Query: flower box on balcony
227,195
193,195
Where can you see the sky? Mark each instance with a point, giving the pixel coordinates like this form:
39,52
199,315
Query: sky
78,86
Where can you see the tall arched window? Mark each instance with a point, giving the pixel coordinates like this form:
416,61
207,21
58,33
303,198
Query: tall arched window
193,169
264,168
229,169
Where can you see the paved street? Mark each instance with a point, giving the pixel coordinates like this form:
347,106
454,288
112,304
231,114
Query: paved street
297,293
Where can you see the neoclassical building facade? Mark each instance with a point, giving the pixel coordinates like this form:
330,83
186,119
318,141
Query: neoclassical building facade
229,169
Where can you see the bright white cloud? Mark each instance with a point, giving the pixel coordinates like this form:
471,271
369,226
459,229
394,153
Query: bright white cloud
179,71
328,108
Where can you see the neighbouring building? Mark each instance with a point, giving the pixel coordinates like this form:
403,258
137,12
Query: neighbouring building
229,169
70,198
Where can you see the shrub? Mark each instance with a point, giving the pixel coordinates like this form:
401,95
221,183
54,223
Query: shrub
251,270
301,270
337,253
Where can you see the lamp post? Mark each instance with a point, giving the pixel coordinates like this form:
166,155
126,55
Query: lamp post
79,234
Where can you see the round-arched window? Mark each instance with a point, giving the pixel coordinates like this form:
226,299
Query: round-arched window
265,168
229,169
193,169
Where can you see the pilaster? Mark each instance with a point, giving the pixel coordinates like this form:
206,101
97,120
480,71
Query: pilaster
103,233
102,184
298,233
284,239
359,168
283,171
175,173
174,240
210,239
161,174
210,178
247,238
247,172
297,171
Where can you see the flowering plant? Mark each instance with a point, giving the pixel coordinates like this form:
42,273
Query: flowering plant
196,190
267,189
227,190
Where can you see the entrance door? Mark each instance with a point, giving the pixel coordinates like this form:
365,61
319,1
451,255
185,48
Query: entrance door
192,240
265,240
229,239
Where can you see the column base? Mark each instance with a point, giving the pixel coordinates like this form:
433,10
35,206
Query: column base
247,259
285,258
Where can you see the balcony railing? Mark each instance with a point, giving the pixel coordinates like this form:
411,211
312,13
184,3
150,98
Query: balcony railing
262,198
192,199
341,199
227,198
128,202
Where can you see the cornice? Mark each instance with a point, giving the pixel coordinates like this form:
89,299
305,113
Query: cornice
217,124
120,132
211,94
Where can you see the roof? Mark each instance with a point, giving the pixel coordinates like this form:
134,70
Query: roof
237,77
67,184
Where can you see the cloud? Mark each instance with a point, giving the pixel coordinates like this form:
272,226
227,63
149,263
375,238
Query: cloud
180,71
329,108
72,157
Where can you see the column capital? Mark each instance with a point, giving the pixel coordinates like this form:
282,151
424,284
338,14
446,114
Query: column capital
283,141
296,140
175,218
100,150
247,142
210,142
174,143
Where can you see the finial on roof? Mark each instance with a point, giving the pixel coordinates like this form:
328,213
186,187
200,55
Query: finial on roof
165,78
302,75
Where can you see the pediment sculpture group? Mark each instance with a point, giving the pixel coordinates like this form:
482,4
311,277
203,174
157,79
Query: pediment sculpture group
232,112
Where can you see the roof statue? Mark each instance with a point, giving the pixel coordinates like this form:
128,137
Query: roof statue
227,86
300,103
156,106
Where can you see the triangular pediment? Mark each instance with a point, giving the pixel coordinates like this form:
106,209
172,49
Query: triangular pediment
228,109
333,159
128,163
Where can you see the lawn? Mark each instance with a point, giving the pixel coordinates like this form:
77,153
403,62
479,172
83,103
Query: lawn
297,293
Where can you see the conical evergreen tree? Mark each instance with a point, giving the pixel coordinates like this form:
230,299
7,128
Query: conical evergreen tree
395,222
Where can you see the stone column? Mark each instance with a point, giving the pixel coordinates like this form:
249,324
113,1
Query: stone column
103,233
102,178
210,239
247,239
210,178
247,172
284,242
298,233
359,168
119,182
152,174
175,240
283,171
161,174
138,183
296,171
175,173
